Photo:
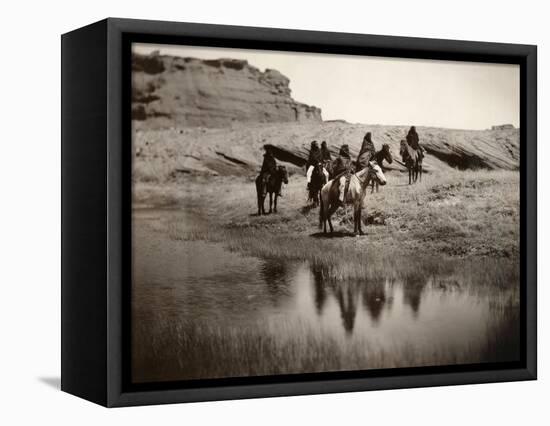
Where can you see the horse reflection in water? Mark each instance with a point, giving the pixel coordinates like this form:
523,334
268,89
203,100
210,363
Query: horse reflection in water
347,297
348,294
374,298
412,292
320,290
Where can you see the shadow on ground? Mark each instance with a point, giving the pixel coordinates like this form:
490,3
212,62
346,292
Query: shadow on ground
335,234
54,382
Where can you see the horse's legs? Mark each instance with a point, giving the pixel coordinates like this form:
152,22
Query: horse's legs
357,220
360,220
322,217
330,212
261,204
259,196
420,171
275,203
270,202
410,175
377,187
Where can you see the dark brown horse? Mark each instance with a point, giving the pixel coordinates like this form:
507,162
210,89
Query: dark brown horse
318,179
379,157
413,161
270,183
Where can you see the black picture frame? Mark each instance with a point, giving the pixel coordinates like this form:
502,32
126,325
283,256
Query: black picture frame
96,202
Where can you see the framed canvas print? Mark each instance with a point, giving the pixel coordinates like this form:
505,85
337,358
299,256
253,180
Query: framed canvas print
251,212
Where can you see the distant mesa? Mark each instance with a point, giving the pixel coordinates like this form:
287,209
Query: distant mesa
503,127
337,120
169,91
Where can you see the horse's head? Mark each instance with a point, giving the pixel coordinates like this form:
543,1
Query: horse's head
283,174
387,153
375,173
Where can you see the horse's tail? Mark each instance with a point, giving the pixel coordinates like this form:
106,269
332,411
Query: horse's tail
321,209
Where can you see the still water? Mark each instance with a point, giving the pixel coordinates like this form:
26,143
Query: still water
393,321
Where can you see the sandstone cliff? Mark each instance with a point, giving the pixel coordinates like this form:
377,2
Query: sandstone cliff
170,91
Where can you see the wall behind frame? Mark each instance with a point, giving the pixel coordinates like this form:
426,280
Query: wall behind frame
30,243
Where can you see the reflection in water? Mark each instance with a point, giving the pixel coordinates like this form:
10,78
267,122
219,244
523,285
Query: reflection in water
374,298
275,275
320,297
412,293
347,301
188,295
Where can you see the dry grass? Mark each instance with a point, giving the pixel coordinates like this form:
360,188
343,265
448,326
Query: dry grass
458,214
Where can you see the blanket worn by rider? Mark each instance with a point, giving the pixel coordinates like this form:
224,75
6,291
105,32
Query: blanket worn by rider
269,168
414,141
314,157
342,166
269,165
366,153
325,153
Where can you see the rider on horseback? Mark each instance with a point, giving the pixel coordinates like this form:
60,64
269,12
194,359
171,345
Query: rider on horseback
343,166
325,153
269,165
313,159
366,153
413,141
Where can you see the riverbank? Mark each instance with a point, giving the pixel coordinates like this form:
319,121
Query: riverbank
459,214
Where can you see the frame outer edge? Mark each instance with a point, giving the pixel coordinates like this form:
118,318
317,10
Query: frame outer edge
114,211
115,395
83,209
531,201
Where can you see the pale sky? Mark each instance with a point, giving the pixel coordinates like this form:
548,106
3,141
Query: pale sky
375,90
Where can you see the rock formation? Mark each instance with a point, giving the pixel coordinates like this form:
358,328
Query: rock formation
170,91
167,154
503,127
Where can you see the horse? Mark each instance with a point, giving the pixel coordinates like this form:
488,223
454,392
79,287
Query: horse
379,157
270,183
413,161
318,179
356,194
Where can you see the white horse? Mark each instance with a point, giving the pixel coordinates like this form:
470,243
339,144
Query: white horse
355,195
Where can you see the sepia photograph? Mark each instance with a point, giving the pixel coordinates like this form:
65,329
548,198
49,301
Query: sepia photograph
297,212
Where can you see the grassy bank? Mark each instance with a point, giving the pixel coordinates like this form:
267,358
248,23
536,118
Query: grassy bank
456,214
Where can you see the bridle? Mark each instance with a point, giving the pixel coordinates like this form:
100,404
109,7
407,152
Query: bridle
365,180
